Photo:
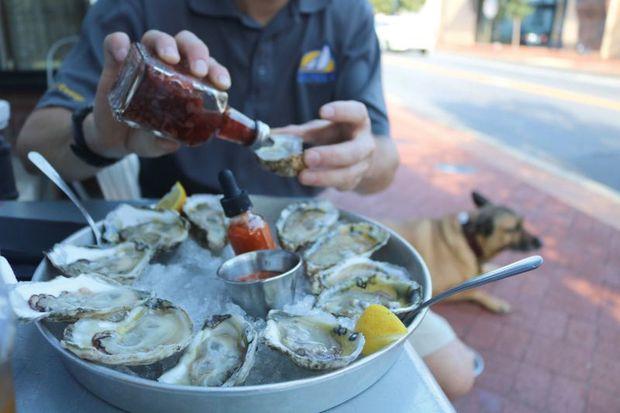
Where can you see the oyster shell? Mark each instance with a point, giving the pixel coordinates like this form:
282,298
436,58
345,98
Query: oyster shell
356,267
314,340
121,262
284,157
67,299
221,354
148,333
344,241
304,222
160,230
206,213
350,298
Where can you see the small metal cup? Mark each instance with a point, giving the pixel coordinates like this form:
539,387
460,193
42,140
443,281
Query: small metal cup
260,296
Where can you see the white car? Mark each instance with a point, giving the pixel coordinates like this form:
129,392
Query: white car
410,31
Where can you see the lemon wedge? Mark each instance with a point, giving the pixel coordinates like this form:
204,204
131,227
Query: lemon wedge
174,199
380,328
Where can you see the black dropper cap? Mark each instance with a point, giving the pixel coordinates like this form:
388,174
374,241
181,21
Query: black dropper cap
235,201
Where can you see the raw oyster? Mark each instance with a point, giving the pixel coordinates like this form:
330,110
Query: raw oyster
355,267
148,333
67,299
221,354
160,230
314,340
350,298
121,262
284,157
344,241
304,222
206,213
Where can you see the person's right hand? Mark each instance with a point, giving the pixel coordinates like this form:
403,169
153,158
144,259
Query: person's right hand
110,138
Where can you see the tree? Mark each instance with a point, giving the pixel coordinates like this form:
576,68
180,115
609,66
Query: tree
394,6
516,10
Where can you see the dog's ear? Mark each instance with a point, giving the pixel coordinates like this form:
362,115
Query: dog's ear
479,199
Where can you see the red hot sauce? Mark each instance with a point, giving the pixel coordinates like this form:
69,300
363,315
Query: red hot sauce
247,231
171,103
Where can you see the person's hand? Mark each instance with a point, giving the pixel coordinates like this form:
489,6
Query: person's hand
107,137
344,146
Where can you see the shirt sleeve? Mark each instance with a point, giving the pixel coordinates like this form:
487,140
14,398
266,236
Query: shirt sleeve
359,74
76,81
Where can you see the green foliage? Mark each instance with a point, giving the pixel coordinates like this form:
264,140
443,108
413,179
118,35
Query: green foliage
515,9
393,6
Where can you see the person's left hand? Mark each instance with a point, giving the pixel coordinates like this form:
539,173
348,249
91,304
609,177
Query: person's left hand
344,146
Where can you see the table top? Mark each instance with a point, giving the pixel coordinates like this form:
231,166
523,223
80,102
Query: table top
41,379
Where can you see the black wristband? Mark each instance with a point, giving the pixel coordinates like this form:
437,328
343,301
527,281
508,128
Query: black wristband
79,147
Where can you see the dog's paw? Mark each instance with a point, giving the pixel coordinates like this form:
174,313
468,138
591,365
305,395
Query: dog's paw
500,307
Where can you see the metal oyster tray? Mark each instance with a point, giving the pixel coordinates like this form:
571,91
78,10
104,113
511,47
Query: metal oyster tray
313,394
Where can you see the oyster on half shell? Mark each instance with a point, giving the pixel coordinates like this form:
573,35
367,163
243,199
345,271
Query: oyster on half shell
344,241
121,262
314,340
67,299
284,157
159,229
148,333
205,213
221,354
350,298
304,222
356,267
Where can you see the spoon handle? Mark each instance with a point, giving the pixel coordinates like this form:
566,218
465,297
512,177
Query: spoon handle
40,162
519,267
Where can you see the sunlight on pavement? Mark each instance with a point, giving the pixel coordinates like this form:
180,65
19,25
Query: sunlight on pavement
503,82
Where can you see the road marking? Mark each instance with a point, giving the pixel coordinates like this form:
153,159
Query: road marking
506,83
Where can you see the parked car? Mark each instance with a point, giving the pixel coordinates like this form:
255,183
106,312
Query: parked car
411,30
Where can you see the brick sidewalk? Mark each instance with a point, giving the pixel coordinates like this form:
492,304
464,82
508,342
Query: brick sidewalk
559,348
541,56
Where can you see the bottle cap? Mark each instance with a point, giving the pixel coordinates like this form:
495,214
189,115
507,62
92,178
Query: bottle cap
5,114
236,200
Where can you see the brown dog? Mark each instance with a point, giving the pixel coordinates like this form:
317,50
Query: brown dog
456,247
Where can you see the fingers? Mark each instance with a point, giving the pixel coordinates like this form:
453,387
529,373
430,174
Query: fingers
201,64
317,132
146,145
164,45
115,49
350,111
341,154
343,179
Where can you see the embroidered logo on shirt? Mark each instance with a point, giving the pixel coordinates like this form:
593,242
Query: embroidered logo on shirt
317,66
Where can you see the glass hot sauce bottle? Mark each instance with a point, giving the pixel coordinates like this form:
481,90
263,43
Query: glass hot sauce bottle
169,102
247,231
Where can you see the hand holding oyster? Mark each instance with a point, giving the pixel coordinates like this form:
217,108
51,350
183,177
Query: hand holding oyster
284,157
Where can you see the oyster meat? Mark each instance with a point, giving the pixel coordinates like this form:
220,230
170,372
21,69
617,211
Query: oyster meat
67,299
314,340
350,298
148,333
221,354
304,222
356,267
206,214
121,262
344,241
160,230
284,157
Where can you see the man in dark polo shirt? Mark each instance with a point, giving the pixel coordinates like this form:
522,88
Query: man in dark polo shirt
309,67
286,60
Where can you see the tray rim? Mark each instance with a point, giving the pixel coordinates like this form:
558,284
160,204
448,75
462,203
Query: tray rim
233,391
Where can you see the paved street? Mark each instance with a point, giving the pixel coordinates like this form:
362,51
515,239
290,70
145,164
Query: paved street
567,118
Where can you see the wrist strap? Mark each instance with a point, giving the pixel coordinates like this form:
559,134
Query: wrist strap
79,147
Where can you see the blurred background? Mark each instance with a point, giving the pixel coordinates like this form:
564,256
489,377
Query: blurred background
519,99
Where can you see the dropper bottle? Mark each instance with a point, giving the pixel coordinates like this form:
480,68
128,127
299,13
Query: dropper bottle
247,231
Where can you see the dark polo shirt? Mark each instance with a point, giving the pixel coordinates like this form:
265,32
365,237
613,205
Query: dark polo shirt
312,52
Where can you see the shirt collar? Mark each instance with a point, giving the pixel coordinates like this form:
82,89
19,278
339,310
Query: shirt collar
226,8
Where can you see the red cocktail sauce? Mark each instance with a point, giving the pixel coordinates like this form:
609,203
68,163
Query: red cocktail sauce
249,232
260,275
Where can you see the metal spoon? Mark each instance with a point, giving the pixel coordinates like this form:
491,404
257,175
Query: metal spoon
519,267
40,162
